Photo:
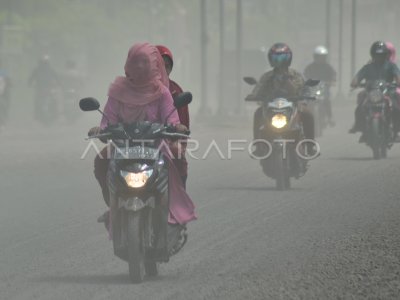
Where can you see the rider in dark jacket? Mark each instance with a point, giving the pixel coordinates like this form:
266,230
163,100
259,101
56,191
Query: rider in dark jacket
281,81
380,68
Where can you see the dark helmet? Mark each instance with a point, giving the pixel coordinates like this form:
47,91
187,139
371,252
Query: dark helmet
280,55
378,48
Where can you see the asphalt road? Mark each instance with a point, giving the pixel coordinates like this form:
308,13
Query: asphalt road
335,235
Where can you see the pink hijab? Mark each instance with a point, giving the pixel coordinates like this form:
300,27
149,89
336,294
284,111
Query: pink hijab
134,89
392,52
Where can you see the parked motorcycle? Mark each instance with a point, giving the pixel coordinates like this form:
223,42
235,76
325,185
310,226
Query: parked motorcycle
283,138
138,182
377,107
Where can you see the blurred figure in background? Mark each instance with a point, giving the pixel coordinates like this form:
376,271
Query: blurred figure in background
321,70
4,96
183,112
45,81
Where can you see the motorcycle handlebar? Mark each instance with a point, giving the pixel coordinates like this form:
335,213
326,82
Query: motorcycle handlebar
167,132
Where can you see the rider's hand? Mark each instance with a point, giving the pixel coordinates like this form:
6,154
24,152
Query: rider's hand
94,131
250,97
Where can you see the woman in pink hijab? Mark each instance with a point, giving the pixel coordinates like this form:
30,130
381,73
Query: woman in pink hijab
143,95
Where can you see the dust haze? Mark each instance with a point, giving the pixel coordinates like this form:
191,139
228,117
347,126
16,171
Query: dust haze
334,235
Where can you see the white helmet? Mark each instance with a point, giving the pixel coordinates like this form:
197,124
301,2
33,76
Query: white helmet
321,50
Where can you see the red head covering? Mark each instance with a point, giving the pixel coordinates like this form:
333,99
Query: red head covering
135,89
165,51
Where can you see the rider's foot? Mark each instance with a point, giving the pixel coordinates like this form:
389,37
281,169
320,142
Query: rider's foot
353,130
257,152
104,217
312,151
176,237
362,138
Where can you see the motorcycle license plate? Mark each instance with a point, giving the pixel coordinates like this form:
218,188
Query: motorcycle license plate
136,152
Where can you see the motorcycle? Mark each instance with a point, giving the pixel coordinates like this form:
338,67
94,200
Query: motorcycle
138,183
320,108
377,107
282,138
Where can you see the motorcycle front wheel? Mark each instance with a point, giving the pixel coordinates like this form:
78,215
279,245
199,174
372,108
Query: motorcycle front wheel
136,253
282,177
376,143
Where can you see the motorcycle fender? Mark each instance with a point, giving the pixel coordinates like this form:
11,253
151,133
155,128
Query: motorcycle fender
135,203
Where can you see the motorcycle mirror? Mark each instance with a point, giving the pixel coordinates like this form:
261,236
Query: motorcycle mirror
312,82
89,104
250,80
183,99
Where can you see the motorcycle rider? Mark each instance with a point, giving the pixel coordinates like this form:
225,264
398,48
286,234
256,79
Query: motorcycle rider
143,95
183,112
43,78
4,96
281,81
380,68
321,70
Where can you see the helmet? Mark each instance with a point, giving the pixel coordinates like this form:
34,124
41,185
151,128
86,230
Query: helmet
280,55
165,51
321,50
378,48
392,52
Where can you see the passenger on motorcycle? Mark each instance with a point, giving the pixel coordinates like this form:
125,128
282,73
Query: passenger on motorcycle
396,97
183,111
281,81
143,95
321,70
380,68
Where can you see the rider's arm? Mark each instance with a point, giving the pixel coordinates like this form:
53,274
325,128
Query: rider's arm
396,74
259,90
359,77
111,111
168,112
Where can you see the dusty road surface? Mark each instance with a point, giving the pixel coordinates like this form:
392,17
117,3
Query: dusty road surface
335,235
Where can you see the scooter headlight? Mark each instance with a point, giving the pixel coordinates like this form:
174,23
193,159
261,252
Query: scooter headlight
279,121
136,180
